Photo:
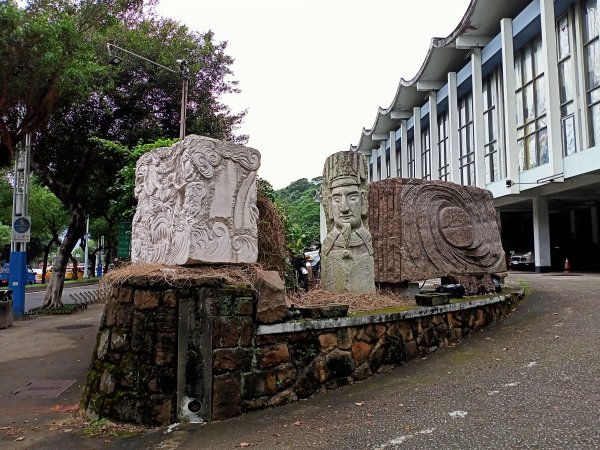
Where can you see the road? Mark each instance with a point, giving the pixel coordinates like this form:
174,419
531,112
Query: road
36,299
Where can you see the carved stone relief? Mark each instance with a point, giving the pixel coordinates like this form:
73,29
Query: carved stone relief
196,204
428,229
347,251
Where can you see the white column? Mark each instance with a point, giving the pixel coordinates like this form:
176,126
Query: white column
478,129
551,86
433,136
595,230
418,143
376,176
541,234
393,155
403,149
453,129
322,222
510,108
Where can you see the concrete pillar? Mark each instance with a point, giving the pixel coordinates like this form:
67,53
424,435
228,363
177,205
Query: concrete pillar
595,230
382,161
376,172
453,140
403,149
478,130
573,224
433,136
541,234
551,86
418,143
393,155
510,108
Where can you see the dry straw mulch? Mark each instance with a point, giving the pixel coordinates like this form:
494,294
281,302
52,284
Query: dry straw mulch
357,302
182,276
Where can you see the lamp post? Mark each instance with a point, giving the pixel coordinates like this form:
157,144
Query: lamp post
115,59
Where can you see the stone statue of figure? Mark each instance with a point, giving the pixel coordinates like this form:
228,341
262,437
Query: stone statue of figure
347,251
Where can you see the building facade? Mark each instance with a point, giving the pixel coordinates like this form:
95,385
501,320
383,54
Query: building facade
509,102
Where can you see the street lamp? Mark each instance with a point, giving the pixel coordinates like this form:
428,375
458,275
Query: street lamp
115,59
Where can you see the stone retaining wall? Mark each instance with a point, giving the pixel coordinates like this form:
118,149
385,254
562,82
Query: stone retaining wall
166,351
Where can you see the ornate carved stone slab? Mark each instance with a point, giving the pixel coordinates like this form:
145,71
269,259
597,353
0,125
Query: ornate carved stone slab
196,203
427,229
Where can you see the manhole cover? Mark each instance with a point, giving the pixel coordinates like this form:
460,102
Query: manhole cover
75,326
41,388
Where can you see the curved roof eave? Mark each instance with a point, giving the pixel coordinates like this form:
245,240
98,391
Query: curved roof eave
482,17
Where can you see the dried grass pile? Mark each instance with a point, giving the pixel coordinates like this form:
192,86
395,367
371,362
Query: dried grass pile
357,302
271,235
182,276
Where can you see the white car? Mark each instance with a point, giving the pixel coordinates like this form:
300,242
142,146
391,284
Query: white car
521,260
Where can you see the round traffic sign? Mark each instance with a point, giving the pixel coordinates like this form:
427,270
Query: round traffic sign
21,225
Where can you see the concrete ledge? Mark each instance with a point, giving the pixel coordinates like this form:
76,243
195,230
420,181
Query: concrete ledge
320,324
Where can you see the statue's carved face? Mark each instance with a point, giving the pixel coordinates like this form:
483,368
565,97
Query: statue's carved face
346,206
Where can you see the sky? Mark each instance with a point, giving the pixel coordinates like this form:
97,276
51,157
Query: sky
313,73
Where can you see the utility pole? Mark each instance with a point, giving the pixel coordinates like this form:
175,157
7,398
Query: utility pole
21,228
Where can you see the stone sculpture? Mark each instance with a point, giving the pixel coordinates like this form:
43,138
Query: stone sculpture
347,251
196,204
429,229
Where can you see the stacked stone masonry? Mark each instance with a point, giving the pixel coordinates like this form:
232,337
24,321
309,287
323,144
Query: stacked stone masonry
233,364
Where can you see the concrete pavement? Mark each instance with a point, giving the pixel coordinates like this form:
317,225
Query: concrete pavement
530,381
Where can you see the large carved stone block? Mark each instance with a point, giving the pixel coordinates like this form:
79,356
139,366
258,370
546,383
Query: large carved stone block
427,229
196,203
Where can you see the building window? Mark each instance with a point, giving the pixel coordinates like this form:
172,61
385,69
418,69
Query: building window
492,93
443,147
411,158
591,45
566,85
532,135
466,141
426,154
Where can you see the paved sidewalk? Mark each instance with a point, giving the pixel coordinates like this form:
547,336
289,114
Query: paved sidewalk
43,348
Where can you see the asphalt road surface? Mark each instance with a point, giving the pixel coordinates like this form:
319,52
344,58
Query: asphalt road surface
36,299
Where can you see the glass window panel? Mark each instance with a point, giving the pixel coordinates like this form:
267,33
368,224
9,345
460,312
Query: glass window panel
520,132
488,129
530,128
540,98
520,143
542,138
564,47
495,169
531,151
594,118
568,128
519,108
592,57
528,103
565,79
593,96
541,122
538,57
518,76
527,64
590,22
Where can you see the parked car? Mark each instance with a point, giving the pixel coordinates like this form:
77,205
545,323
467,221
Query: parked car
68,273
522,260
5,271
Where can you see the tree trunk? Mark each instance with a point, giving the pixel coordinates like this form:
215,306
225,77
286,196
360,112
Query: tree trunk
46,253
53,297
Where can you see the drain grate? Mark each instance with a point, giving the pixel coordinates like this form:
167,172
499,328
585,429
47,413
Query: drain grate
41,388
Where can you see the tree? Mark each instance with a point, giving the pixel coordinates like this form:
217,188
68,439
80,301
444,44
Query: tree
76,97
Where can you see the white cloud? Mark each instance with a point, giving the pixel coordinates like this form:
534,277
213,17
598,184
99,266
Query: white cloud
313,73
